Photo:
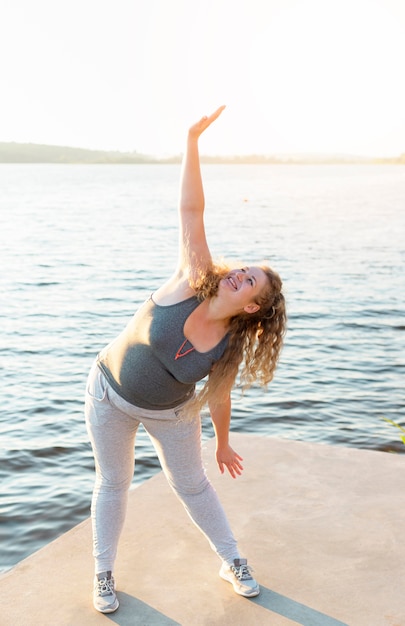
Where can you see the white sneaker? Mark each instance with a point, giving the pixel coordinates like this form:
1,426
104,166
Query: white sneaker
104,597
239,576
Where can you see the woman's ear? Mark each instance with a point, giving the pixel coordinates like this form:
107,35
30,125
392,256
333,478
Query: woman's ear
251,308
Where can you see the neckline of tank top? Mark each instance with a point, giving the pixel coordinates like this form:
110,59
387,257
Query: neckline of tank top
167,306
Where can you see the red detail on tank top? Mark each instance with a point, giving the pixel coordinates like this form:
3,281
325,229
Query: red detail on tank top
179,352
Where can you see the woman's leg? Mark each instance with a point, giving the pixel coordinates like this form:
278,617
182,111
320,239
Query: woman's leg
178,445
112,435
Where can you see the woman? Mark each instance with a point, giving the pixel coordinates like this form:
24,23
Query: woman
205,320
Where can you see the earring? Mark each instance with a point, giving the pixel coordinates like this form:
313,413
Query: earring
272,314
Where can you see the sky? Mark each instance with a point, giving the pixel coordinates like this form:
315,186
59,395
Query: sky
297,76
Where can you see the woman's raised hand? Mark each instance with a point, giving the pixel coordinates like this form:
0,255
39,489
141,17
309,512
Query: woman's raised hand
197,129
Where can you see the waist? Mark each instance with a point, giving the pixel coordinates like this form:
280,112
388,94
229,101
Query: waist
146,389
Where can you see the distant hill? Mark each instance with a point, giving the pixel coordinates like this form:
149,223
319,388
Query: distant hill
38,153
12,152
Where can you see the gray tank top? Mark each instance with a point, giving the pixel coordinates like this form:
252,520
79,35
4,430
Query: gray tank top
151,364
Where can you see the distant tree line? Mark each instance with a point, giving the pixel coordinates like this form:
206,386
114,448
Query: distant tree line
12,152
39,153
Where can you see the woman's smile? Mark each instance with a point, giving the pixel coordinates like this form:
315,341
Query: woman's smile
246,277
231,280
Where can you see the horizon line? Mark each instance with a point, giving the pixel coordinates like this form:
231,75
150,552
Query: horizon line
167,156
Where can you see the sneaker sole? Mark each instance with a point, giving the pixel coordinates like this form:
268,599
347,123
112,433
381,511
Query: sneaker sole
109,609
252,594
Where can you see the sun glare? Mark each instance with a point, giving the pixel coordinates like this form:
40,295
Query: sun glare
328,76
297,76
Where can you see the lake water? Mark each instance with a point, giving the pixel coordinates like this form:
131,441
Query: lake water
82,246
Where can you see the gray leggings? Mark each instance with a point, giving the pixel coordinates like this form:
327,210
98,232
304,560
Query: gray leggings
112,423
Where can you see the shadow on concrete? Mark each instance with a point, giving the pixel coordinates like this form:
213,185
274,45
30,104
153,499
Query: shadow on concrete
134,612
295,611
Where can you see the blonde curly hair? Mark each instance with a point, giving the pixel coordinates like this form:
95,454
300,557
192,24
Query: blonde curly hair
255,339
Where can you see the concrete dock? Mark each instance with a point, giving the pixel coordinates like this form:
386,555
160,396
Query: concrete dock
322,526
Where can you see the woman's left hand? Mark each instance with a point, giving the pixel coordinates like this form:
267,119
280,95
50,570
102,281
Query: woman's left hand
226,457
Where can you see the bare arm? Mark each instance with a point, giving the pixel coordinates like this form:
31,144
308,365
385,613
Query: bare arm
194,253
225,455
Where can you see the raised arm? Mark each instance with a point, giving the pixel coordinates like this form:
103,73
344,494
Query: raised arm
194,253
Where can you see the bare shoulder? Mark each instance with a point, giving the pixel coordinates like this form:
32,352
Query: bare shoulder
176,289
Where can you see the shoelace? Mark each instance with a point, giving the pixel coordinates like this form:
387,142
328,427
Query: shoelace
105,587
242,572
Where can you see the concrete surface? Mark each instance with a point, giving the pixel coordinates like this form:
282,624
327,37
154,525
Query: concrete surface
322,526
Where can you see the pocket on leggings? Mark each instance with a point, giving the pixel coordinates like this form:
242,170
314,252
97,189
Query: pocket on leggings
97,385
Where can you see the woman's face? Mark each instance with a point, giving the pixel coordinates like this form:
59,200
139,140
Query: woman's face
243,287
